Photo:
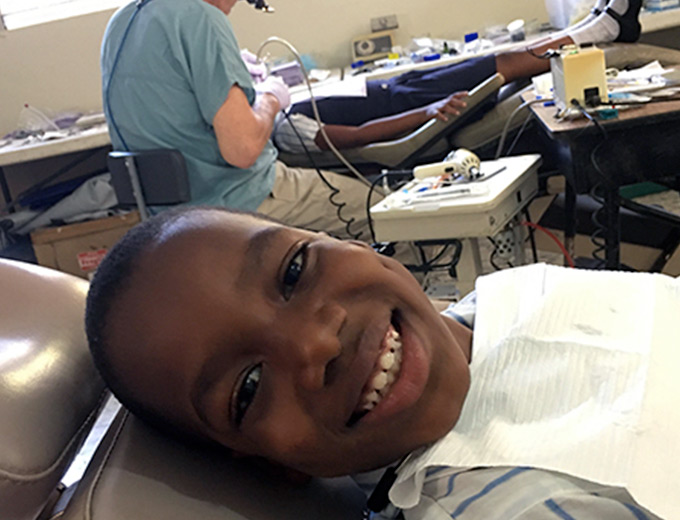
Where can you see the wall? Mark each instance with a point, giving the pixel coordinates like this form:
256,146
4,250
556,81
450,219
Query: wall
325,33
53,66
56,65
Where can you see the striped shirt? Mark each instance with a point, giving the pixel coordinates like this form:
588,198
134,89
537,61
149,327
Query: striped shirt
508,493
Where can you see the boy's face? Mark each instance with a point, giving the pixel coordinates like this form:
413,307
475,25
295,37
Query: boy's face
268,339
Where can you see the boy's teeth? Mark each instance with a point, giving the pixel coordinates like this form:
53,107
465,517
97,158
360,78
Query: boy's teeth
385,372
372,398
379,381
387,360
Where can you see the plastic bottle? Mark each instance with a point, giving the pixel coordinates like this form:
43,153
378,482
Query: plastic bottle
472,43
33,120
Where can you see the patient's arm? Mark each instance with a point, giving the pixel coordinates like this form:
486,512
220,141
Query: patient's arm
387,128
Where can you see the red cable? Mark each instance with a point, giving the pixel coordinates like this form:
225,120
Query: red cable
557,241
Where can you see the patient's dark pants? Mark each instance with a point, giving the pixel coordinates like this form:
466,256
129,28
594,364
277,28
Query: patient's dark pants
409,90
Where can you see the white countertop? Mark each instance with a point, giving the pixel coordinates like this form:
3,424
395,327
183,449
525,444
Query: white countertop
658,20
90,138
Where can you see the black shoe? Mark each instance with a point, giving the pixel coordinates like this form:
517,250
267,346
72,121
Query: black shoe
629,23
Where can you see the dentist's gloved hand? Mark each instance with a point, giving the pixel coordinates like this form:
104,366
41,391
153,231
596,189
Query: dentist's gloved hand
275,86
257,69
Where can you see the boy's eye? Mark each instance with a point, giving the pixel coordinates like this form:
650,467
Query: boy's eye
245,393
293,272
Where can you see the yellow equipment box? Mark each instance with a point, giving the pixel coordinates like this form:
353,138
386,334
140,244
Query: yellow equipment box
579,73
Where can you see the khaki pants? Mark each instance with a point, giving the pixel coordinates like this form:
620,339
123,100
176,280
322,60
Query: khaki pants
300,198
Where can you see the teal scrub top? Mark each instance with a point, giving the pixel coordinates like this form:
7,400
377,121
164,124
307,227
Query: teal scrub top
174,71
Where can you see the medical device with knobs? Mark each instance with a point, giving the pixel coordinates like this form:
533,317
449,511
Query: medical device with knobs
460,162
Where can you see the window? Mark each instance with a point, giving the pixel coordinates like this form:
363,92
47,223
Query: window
22,13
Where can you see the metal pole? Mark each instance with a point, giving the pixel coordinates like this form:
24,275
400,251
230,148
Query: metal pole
136,188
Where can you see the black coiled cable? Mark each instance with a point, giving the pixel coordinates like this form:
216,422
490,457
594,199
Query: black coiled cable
334,191
597,236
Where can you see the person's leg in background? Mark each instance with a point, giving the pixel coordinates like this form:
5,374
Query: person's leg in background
617,22
610,21
300,197
622,20
349,110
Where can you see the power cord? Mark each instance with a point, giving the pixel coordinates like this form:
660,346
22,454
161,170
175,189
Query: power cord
506,127
567,256
596,236
368,206
532,235
550,53
522,128
399,178
431,264
315,109
334,191
641,209
139,4
493,254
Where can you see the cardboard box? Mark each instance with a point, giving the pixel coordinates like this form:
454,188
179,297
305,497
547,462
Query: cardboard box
79,248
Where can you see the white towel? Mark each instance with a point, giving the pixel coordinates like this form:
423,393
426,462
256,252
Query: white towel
572,371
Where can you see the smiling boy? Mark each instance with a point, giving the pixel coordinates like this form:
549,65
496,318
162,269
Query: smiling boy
310,352
269,339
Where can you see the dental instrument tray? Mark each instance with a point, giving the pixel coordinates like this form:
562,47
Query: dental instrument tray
427,209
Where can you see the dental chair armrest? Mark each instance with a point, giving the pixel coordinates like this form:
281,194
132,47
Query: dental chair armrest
140,474
406,151
49,389
403,152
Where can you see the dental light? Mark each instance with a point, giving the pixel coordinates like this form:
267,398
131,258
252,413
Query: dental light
261,5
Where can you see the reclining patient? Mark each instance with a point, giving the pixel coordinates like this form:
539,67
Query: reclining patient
401,104
309,352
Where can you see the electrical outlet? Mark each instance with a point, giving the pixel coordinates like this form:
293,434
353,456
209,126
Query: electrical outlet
505,244
384,23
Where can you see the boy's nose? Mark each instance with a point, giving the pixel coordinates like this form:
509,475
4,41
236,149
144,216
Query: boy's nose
316,346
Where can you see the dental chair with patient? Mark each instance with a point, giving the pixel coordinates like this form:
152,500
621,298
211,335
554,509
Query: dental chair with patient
394,107
321,356
222,122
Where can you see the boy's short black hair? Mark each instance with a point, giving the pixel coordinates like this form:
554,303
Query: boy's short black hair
112,279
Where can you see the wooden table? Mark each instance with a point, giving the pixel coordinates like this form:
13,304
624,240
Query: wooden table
642,144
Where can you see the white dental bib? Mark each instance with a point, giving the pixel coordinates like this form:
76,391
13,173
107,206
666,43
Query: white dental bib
572,371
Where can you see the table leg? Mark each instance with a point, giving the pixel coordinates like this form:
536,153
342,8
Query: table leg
569,220
469,266
612,232
5,187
